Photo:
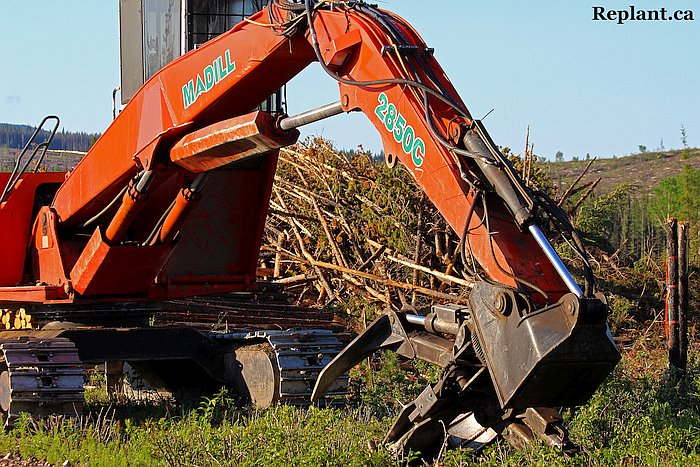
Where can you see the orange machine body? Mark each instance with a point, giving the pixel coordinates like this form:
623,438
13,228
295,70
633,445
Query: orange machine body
17,214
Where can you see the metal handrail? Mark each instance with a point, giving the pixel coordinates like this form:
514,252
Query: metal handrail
17,172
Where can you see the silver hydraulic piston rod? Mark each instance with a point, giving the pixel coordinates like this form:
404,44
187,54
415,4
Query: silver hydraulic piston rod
311,116
415,319
555,260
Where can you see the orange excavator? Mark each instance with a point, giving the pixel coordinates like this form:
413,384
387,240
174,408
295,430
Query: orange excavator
170,204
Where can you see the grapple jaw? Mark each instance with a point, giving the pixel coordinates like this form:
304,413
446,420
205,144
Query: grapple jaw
552,357
504,364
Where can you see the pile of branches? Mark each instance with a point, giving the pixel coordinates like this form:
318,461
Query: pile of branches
344,228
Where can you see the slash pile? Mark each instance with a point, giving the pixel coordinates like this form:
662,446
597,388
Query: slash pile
343,227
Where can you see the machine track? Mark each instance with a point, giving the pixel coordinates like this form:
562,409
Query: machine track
41,376
296,358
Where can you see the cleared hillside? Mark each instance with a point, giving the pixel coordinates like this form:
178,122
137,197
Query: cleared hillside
643,171
55,160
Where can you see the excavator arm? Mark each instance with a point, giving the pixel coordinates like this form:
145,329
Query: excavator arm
185,173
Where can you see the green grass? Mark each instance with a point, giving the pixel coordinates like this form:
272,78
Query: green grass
280,436
638,417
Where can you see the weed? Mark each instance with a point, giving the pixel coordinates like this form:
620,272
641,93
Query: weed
385,386
621,311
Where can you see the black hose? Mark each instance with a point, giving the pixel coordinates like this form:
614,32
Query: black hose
290,27
159,225
106,209
464,240
397,36
289,6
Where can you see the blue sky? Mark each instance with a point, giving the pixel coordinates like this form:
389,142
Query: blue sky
583,86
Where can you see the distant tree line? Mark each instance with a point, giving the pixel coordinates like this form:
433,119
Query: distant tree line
16,136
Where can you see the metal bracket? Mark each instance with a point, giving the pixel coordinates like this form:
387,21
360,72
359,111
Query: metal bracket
555,356
424,404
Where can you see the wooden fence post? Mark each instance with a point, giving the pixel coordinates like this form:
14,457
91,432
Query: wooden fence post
683,294
671,315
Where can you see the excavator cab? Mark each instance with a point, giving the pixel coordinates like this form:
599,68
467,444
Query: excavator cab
153,33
